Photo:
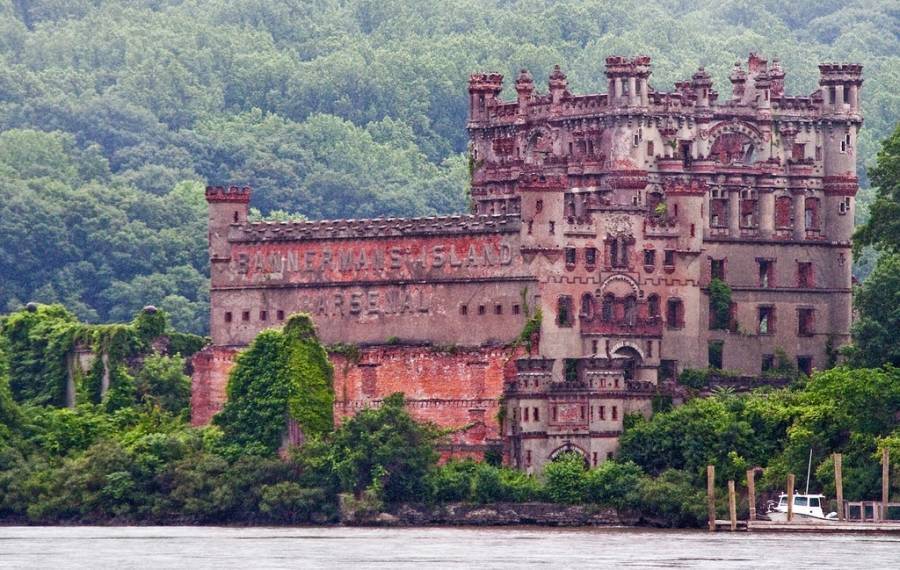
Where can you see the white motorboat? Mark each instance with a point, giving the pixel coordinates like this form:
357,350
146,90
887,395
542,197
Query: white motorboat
806,507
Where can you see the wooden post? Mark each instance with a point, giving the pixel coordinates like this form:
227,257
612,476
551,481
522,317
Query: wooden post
885,481
790,497
839,485
751,493
732,505
711,496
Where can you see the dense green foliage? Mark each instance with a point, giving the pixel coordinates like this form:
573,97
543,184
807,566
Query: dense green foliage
877,300
40,357
840,410
328,108
882,229
282,374
720,304
384,450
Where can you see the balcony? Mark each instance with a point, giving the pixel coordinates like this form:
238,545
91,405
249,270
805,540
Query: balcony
637,326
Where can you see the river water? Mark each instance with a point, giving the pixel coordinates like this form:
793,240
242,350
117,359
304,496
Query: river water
429,548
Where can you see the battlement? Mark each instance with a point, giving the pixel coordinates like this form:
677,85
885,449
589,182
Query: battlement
621,66
375,228
834,73
490,81
233,194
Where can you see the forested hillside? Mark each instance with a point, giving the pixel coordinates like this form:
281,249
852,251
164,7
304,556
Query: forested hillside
115,113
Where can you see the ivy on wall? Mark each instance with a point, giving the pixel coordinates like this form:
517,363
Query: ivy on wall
720,303
283,374
41,340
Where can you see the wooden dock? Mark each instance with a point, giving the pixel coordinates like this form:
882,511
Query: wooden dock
882,527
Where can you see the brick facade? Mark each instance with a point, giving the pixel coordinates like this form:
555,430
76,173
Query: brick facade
611,213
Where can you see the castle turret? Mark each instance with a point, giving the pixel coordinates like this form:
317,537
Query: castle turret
776,74
840,85
483,89
226,206
763,86
524,90
628,81
557,85
738,78
701,83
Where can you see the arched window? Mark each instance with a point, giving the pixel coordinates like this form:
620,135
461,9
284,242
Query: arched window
608,301
653,305
587,305
630,310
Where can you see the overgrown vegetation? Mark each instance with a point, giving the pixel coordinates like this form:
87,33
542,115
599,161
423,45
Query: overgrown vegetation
720,304
141,462
284,374
41,342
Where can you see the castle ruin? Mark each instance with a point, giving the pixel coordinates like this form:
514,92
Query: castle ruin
610,215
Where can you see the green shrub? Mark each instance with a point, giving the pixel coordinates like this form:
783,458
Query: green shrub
451,482
696,378
287,502
565,480
162,381
614,484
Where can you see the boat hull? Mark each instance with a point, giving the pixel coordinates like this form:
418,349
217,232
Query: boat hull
780,516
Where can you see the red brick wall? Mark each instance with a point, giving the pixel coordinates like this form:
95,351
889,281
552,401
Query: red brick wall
454,389
209,381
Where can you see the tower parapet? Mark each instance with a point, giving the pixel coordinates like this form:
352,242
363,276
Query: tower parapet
226,207
557,85
524,90
233,194
483,89
702,86
628,80
840,86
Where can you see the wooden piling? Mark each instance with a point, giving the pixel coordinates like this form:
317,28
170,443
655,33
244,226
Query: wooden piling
885,481
751,493
790,497
732,505
711,496
839,485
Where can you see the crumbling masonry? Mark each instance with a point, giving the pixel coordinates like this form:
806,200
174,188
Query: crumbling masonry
609,215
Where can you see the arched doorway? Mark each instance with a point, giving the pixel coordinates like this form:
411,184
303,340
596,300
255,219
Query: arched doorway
629,359
567,448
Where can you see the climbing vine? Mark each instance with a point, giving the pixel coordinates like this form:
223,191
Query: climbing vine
41,341
532,324
720,304
282,374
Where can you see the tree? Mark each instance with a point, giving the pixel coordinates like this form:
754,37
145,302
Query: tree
384,450
565,478
882,230
162,381
874,331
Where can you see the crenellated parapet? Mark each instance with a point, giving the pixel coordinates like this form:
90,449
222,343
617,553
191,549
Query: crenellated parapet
233,194
375,228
